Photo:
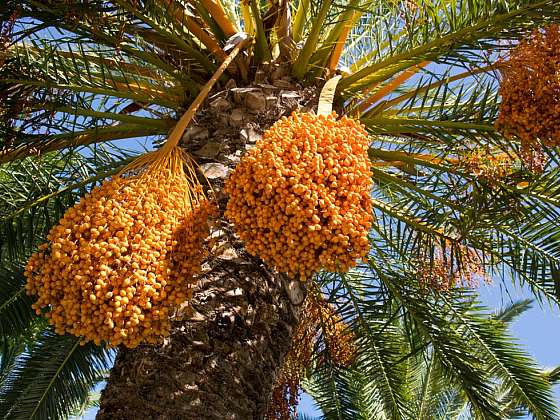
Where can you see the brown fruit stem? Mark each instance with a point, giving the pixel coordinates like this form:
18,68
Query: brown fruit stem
179,129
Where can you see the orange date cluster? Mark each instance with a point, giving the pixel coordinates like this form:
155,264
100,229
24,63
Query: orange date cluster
120,260
300,199
530,92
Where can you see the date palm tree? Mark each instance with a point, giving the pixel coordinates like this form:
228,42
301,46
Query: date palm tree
80,79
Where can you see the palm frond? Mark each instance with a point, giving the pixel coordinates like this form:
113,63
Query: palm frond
553,376
16,314
487,351
452,32
443,366
513,310
52,378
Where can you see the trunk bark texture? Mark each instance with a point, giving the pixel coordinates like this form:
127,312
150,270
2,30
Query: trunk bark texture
221,362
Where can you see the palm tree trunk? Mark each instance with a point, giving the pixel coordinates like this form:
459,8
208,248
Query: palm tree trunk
221,361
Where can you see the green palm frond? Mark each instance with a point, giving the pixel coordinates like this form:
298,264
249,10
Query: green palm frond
454,358
52,378
486,351
91,402
16,315
510,365
510,312
372,319
346,394
10,350
514,227
553,376
454,32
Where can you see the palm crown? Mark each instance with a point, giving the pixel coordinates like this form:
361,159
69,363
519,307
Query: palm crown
454,199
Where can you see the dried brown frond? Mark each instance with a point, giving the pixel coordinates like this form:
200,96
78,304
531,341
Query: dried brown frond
411,5
534,157
339,341
530,91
